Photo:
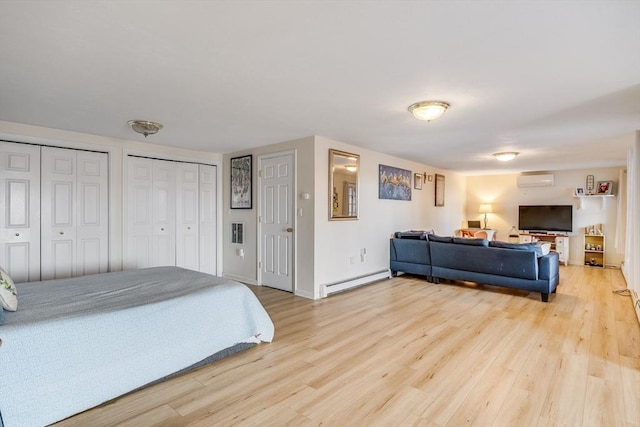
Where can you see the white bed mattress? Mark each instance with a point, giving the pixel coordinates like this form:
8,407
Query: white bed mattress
52,368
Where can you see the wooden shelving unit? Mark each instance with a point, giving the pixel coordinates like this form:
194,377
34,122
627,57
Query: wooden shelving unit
594,248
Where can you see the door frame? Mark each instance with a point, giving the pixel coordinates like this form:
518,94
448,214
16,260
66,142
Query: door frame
294,207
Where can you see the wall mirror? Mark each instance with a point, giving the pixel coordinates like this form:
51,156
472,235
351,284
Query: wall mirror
343,185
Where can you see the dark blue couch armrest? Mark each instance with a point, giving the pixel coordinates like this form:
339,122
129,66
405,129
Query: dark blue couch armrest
410,250
548,266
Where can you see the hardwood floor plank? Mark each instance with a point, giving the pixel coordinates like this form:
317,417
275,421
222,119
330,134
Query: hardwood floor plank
408,352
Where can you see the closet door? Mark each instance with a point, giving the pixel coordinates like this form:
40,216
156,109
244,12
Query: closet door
58,222
163,213
93,213
151,213
74,221
20,210
139,213
187,202
208,219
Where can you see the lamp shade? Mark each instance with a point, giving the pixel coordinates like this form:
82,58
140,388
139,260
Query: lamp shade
485,208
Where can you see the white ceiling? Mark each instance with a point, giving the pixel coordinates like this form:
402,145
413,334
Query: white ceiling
557,81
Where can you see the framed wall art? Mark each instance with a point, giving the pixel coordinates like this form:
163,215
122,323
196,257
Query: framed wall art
394,183
241,182
604,187
417,181
439,190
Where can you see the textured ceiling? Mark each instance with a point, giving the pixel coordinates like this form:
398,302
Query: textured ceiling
557,81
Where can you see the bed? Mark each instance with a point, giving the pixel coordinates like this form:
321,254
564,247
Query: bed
76,343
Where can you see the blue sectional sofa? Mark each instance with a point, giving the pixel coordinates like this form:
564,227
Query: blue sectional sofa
518,266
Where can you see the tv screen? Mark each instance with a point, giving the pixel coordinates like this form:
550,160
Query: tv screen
546,218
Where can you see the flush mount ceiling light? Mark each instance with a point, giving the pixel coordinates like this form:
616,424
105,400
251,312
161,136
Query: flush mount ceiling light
145,127
506,156
428,110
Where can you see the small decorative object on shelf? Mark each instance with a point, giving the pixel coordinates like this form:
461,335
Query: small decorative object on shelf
590,184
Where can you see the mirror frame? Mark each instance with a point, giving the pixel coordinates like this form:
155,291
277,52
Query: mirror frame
332,165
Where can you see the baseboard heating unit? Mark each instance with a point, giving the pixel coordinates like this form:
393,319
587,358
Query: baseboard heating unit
332,288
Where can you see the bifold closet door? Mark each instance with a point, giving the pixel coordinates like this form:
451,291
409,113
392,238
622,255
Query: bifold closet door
187,225
171,215
20,210
208,219
74,223
151,213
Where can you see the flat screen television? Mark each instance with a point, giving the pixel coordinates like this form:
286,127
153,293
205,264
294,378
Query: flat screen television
557,218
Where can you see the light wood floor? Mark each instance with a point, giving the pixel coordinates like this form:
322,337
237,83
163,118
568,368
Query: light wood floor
405,352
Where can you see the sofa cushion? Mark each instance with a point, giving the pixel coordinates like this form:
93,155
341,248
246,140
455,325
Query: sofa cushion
413,234
471,242
533,247
441,239
498,261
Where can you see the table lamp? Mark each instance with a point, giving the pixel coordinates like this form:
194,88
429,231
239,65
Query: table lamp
485,208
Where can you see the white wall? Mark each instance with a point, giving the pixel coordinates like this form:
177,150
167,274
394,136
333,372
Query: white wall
323,249
504,195
338,242
117,149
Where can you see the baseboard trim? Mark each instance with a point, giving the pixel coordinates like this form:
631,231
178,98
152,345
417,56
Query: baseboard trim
242,279
332,288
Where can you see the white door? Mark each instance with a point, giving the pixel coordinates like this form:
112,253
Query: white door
187,233
276,221
164,213
58,213
74,222
92,213
139,213
20,210
208,219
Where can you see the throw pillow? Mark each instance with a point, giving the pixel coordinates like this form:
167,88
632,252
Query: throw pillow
8,293
546,248
471,242
533,247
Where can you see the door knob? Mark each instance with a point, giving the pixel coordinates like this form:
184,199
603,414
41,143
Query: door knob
289,229
17,234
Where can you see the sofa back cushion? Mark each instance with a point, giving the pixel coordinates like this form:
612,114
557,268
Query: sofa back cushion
487,260
471,242
413,234
441,239
534,247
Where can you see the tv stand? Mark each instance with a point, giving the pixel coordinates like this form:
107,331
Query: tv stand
559,242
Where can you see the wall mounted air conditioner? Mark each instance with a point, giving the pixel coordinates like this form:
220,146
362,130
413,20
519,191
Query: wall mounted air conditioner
535,180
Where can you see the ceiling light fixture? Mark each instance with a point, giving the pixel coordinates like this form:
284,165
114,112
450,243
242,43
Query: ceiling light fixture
506,156
351,168
428,110
145,127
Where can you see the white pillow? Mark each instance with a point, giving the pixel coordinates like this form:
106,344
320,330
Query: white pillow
8,293
546,247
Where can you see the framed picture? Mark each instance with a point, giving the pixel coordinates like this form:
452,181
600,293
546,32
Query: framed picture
417,181
241,184
394,183
604,187
579,191
439,190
